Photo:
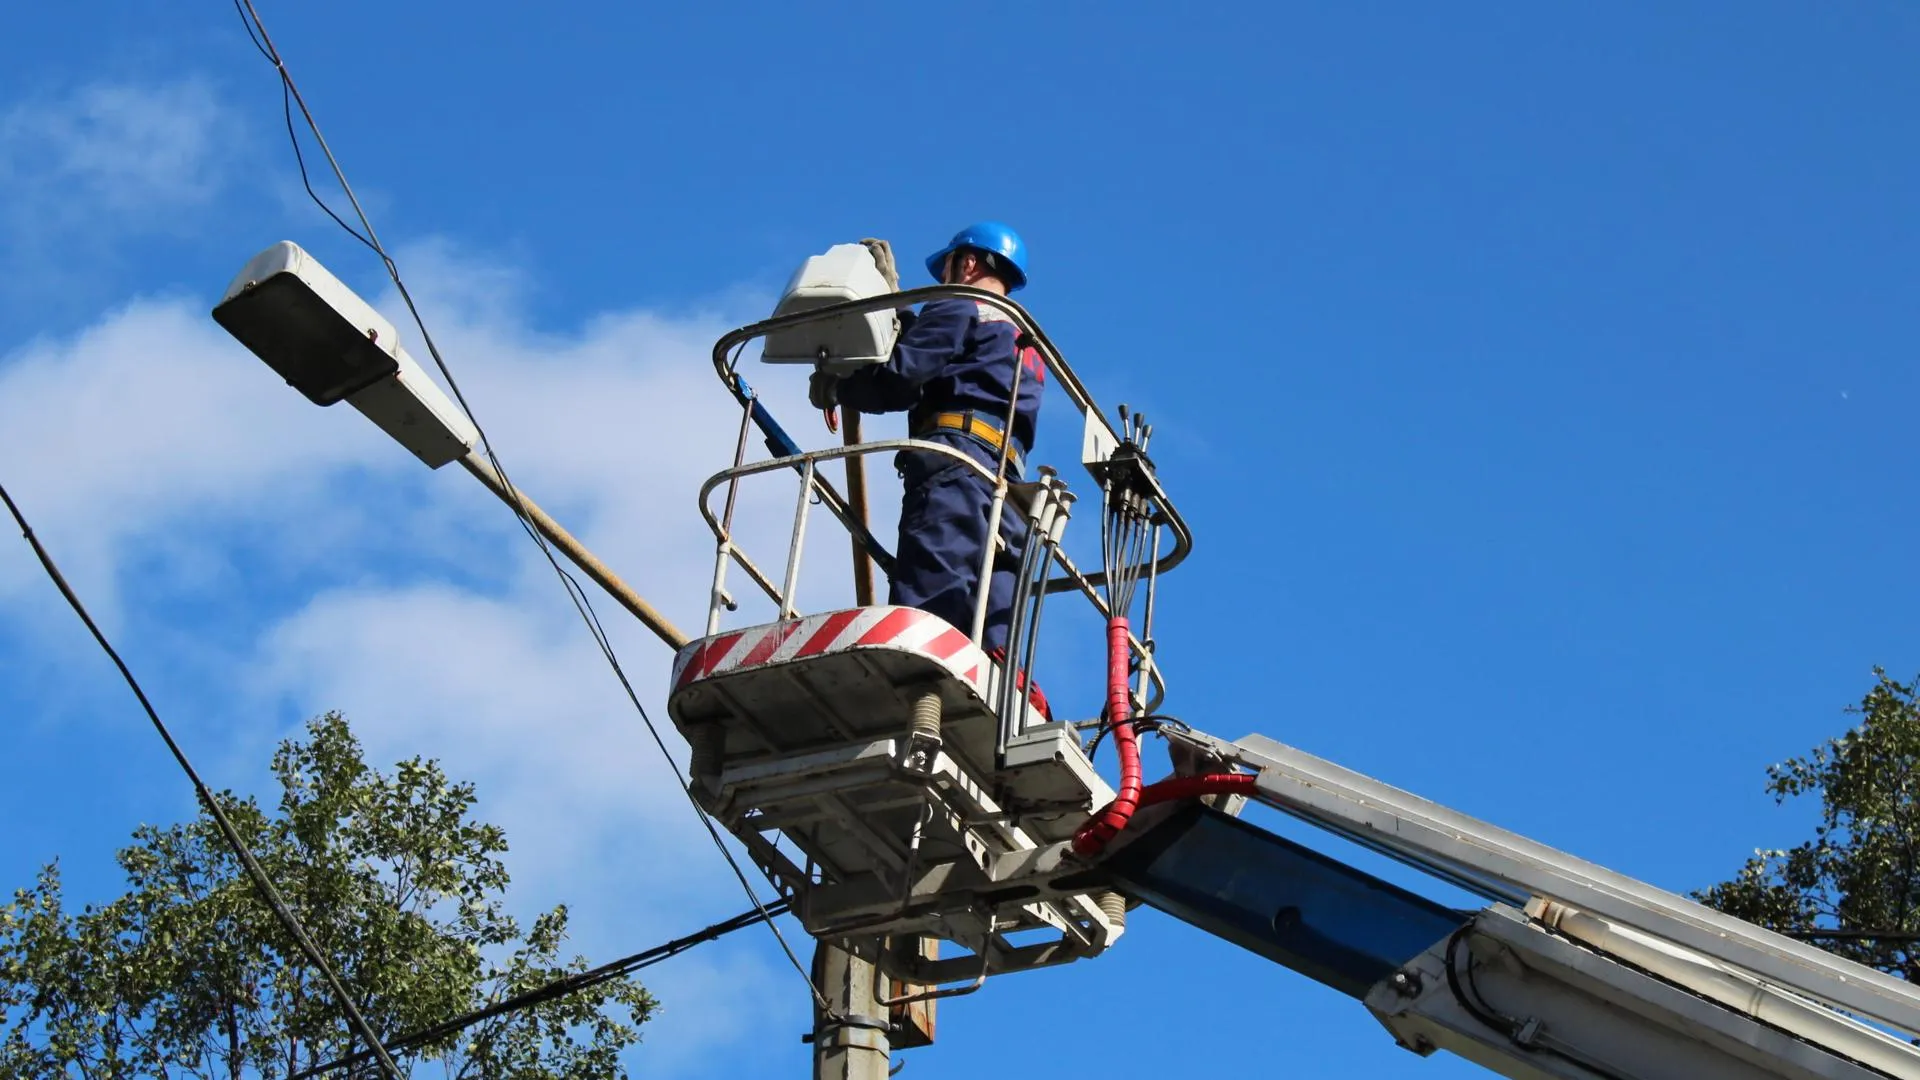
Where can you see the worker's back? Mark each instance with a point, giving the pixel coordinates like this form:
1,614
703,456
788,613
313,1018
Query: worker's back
957,361
981,377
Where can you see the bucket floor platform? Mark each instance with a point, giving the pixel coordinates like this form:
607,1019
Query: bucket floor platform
805,748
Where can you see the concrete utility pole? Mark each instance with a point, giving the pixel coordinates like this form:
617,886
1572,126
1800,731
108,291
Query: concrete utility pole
856,1045
851,1042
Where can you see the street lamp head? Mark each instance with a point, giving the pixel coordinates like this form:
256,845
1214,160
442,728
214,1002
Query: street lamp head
331,345
846,342
311,329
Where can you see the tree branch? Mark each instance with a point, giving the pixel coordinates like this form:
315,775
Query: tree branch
293,1011
146,1043
233,1039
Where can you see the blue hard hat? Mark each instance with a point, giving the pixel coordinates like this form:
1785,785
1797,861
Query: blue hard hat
990,236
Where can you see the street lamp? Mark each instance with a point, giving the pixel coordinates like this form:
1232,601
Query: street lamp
330,345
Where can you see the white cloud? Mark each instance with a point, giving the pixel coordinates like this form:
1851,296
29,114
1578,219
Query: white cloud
151,418
508,691
122,149
410,599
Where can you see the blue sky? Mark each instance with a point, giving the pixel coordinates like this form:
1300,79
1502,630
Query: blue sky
1533,380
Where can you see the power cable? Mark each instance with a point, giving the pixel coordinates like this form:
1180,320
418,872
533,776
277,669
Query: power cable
291,92
1470,999
561,987
1817,934
255,871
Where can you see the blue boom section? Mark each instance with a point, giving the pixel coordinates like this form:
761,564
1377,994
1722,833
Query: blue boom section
1328,921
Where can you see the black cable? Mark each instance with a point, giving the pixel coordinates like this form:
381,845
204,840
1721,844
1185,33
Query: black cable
1484,1013
574,591
1485,1017
286,109
287,91
561,987
251,36
1150,724
255,871
1122,539
586,609
1817,934
1161,720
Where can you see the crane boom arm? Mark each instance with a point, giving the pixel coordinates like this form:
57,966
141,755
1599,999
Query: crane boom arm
1571,970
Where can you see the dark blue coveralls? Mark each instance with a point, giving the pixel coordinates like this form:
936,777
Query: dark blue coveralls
956,357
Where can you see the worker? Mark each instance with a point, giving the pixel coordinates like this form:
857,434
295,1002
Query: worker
954,369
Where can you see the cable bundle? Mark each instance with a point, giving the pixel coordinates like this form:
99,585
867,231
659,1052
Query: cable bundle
1126,535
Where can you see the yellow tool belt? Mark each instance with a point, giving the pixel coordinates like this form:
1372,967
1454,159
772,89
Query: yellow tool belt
971,424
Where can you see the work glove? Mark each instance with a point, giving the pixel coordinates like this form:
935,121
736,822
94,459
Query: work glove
883,258
823,390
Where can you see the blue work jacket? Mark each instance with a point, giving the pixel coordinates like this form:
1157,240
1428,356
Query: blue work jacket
954,356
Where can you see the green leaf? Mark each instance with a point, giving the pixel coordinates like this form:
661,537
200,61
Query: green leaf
1861,870
189,970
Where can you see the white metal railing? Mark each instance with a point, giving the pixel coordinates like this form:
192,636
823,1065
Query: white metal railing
729,552
726,358
1150,687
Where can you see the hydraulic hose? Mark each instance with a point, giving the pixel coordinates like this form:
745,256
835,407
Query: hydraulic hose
1128,544
1092,836
1175,788
1106,824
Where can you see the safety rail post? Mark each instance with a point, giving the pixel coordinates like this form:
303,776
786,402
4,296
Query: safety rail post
1007,697
791,582
989,551
724,534
1046,517
717,598
1057,511
994,510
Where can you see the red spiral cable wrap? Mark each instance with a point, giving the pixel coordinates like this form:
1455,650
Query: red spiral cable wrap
1106,824
1174,788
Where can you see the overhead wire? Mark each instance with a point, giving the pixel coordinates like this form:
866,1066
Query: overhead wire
291,92
262,881
561,987
1814,933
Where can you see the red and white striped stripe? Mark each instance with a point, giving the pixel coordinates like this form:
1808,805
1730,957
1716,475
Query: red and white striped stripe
905,629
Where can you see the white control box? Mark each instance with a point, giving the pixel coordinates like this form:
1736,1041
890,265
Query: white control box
846,272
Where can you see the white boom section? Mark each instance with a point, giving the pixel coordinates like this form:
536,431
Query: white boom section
1499,863
1510,995
1601,975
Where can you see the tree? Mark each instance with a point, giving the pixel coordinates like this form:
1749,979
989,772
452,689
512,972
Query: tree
1860,874
189,975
